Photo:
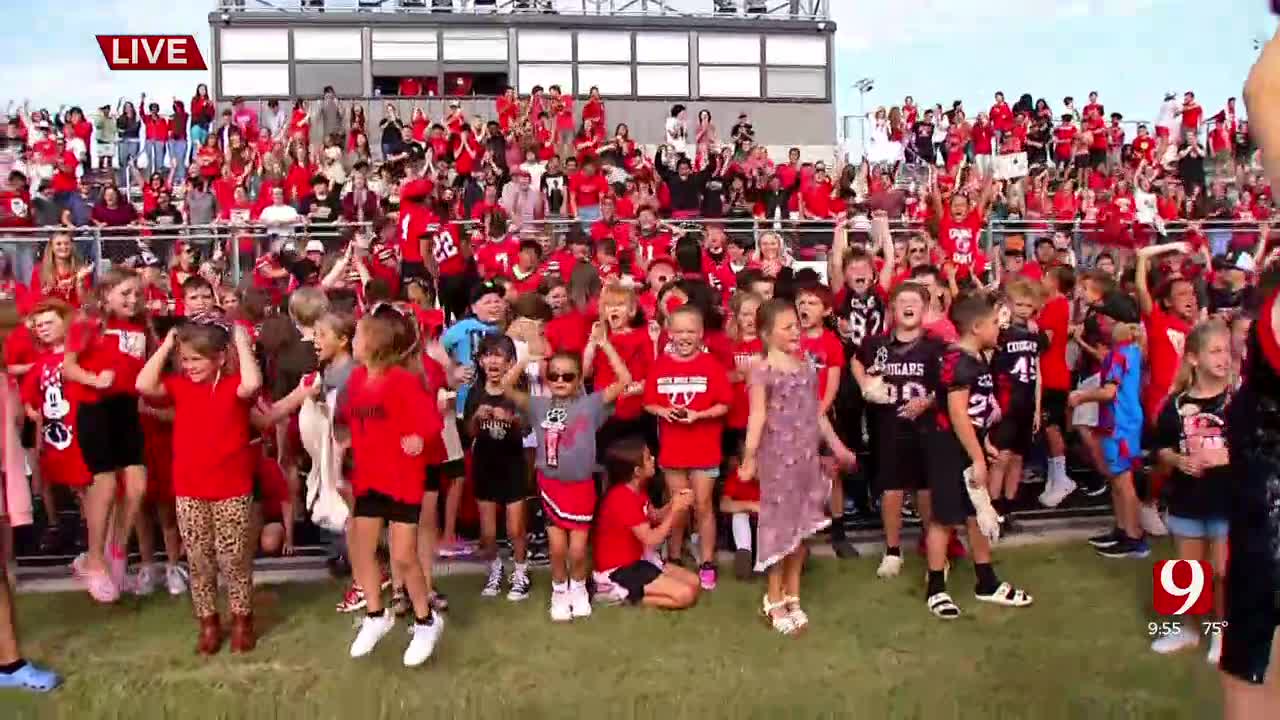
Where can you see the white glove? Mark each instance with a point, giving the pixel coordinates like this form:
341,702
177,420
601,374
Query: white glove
876,391
988,519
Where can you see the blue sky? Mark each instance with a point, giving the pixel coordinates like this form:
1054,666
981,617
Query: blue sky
1130,51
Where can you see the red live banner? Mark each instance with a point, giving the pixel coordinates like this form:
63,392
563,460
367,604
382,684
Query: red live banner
151,52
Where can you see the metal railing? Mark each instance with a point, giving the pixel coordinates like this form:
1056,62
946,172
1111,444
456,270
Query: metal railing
770,9
232,248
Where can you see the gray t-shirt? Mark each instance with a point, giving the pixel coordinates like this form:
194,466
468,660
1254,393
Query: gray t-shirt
566,434
200,207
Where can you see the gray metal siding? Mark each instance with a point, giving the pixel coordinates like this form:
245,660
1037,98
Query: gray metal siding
310,78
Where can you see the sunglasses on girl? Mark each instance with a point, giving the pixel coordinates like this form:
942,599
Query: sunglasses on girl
562,377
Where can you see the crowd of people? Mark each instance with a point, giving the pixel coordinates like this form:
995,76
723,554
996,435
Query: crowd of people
619,381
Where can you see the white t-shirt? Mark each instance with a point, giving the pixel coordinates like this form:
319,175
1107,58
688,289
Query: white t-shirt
279,218
1168,116
1144,206
677,135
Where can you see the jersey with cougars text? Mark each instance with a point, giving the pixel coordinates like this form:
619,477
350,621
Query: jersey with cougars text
1017,366
909,370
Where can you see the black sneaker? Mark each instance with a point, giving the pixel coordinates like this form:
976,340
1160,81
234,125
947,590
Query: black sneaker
538,556
1107,539
844,549
1126,547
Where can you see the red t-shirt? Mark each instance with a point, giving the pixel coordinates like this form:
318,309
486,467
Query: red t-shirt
569,332
1191,115
587,189
982,135
526,283
648,247
959,241
496,257
697,383
1055,317
381,412
1166,338
116,345
1144,148
823,353
1064,137
635,348
615,542
15,209
744,352
44,391
446,247
210,465
1098,128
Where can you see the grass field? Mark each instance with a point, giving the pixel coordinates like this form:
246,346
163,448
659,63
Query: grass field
872,651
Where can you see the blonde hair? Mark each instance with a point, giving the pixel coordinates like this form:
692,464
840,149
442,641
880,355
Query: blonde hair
1021,287
48,265
1197,341
615,293
307,305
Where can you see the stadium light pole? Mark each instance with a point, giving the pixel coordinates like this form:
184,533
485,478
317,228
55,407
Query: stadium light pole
863,86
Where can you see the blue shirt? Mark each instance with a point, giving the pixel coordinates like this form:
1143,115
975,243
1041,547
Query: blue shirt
1122,417
461,342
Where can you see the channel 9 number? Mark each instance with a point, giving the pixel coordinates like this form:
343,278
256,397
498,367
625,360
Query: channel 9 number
1182,587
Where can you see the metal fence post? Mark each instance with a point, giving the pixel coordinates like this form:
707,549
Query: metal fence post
97,253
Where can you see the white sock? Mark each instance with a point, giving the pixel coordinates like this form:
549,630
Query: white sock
1058,468
560,587
496,563
577,585
741,523
522,568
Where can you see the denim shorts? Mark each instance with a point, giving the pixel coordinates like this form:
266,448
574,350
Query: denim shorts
712,473
1211,528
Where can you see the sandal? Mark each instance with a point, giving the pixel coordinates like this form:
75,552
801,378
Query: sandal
30,677
942,606
1006,595
793,609
785,623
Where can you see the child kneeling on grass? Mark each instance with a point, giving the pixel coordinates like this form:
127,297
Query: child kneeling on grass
628,532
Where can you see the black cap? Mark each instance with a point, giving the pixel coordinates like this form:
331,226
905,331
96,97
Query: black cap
486,288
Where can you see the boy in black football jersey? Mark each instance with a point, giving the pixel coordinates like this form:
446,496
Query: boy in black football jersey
958,459
898,373
1016,365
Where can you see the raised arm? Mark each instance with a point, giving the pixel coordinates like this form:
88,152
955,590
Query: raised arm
149,378
1145,302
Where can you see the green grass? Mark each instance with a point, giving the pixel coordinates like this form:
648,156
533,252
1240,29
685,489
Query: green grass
872,651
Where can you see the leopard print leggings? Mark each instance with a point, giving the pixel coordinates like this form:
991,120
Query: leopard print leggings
215,533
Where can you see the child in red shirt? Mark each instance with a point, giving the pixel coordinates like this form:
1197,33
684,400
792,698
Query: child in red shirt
212,472
689,392
628,533
740,498
390,416
102,361
618,311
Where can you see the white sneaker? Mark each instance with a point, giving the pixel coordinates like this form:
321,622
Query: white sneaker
372,629
145,580
561,608
1174,642
1152,523
1215,649
175,580
890,566
422,640
1056,491
579,601
493,585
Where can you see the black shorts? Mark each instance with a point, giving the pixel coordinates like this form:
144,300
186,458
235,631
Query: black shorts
1053,408
901,462
501,480
1253,605
634,577
732,441
448,470
1097,157
110,434
411,269
455,294
373,504
28,434
948,496
1013,432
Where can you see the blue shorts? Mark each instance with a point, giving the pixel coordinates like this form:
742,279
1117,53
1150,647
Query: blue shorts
1122,453
1211,528
712,473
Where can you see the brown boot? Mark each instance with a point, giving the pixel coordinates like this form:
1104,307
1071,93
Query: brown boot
210,635
243,638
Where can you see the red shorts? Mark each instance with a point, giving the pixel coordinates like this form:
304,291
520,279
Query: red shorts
1162,131
735,489
569,505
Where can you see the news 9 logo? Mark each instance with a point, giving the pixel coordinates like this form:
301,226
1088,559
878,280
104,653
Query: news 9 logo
1182,587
